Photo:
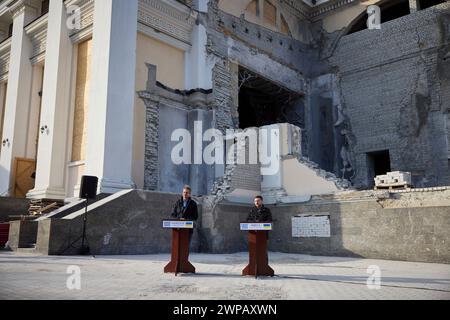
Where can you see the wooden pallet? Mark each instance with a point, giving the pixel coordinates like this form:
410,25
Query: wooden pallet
43,206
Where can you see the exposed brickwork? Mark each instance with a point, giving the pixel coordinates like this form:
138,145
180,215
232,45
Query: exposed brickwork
223,95
151,146
392,95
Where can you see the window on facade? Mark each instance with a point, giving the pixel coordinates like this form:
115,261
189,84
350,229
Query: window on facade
423,4
390,10
253,8
284,26
44,7
269,16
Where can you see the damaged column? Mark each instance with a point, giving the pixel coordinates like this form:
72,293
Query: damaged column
198,66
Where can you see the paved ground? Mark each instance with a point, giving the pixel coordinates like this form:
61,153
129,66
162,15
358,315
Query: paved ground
25,276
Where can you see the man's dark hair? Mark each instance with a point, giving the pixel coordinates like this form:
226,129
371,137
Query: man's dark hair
259,197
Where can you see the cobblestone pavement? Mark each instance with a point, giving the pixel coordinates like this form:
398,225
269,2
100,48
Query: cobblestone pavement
26,276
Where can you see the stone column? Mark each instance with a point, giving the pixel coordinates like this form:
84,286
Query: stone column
51,162
198,66
109,146
18,94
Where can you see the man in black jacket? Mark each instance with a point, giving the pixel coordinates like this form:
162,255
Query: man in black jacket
259,212
186,209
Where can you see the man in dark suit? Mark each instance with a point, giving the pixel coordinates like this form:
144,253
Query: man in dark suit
259,212
186,208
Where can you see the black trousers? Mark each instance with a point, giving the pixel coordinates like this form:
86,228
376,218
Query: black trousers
191,232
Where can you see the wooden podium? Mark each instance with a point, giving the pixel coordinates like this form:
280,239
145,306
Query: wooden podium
257,243
179,262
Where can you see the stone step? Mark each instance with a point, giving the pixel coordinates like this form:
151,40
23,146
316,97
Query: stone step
26,250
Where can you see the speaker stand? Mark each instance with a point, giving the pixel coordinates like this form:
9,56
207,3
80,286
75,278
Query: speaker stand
84,249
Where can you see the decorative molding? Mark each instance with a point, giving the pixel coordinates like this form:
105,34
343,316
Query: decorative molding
19,7
149,31
167,17
82,34
37,32
303,10
5,45
330,6
5,50
4,6
87,20
298,6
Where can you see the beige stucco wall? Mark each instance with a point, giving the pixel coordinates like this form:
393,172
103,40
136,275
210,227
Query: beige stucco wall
76,168
169,61
81,101
170,72
342,18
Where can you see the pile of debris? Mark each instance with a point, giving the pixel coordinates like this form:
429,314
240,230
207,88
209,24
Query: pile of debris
39,207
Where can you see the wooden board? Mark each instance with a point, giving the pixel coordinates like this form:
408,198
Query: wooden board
22,181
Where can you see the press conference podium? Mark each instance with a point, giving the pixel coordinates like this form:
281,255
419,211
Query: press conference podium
180,246
257,243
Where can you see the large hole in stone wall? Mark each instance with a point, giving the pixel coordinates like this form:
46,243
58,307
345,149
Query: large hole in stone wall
390,10
262,102
379,163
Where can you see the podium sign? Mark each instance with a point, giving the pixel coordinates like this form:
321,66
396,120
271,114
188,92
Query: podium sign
256,226
178,224
179,262
257,245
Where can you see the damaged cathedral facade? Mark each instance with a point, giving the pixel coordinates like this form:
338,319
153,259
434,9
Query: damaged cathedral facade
104,87
104,98
354,103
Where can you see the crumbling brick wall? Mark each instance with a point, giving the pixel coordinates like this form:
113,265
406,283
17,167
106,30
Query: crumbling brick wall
394,94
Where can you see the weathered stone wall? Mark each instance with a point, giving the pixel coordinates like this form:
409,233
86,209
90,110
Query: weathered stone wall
394,94
370,224
22,234
130,224
359,227
11,207
364,229
369,91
